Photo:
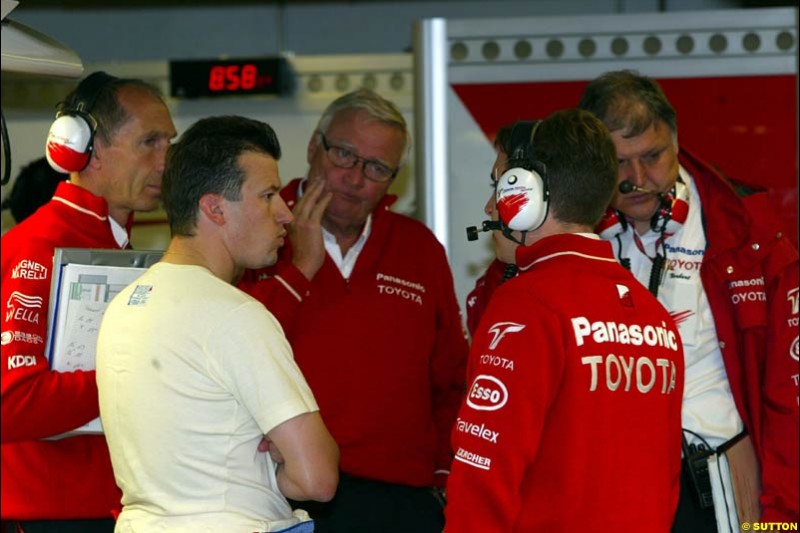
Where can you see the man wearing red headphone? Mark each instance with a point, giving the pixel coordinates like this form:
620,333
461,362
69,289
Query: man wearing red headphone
112,136
730,279
571,421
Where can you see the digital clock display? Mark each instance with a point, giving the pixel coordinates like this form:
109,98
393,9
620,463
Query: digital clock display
204,78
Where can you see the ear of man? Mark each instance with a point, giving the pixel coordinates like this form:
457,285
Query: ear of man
211,206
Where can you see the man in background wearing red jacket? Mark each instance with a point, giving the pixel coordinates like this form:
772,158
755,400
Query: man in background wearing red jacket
367,301
571,420
67,485
730,280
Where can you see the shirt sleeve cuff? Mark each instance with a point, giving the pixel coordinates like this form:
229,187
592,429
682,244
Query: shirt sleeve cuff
440,478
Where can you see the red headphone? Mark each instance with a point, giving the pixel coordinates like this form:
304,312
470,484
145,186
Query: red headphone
668,218
71,137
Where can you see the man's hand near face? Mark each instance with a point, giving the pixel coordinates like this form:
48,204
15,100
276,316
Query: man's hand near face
305,233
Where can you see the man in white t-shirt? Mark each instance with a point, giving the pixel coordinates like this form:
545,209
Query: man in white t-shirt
196,378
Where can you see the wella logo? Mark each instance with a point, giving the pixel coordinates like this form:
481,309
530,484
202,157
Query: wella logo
24,300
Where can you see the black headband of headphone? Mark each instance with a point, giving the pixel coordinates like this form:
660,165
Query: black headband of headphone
71,137
86,93
520,152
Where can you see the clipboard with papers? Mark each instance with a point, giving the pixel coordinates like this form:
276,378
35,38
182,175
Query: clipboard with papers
735,484
84,282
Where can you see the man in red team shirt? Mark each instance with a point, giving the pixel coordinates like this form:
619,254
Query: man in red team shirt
67,485
571,420
366,298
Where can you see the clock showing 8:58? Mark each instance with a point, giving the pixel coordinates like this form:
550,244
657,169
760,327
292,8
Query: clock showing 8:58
209,78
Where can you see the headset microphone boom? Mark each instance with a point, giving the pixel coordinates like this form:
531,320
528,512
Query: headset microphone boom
626,187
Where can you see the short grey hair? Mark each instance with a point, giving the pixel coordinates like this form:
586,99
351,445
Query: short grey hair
378,107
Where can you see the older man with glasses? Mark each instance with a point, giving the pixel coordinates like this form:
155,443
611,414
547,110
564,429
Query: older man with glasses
367,301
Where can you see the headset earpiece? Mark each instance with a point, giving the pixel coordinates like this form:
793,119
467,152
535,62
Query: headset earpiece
612,224
71,136
521,193
669,217
521,201
674,209
69,143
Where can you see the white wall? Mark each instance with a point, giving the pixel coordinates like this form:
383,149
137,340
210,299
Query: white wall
28,105
345,27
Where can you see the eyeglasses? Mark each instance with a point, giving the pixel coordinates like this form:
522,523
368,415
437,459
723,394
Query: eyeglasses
346,158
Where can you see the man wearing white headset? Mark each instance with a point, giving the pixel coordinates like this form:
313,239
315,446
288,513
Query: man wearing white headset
729,276
570,359
112,136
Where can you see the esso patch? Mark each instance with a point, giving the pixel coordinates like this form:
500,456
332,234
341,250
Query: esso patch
487,393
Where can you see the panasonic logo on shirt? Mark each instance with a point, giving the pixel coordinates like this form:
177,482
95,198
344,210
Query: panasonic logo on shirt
634,334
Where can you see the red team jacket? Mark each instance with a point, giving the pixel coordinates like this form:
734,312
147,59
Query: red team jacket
384,351
49,479
750,276
572,416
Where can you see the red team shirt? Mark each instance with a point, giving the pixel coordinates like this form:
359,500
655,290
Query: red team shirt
383,351
750,276
572,416
49,479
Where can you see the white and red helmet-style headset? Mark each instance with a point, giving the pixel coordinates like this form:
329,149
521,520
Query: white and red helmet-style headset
71,137
521,193
669,217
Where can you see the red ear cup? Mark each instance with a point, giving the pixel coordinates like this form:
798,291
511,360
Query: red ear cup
69,142
679,212
521,199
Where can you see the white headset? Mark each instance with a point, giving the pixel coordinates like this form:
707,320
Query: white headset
521,194
71,136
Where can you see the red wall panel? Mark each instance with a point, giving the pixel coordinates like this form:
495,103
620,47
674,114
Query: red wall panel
745,125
